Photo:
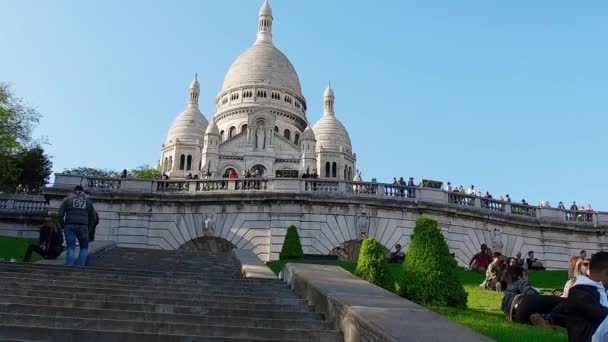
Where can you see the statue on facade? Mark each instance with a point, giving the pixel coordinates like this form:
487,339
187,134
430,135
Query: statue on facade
260,138
497,241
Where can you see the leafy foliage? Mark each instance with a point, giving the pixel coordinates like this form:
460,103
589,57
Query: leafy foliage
371,265
145,171
431,274
292,248
92,172
36,168
17,121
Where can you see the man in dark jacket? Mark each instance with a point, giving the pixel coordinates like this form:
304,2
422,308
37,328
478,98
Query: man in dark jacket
50,242
76,215
587,303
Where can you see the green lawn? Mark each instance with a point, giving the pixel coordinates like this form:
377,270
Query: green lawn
483,313
14,248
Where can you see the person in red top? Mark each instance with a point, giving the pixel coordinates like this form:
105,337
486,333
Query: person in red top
481,260
233,174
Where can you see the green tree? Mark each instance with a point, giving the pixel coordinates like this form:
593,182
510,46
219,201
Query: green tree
371,265
36,168
431,276
92,172
292,248
17,122
145,171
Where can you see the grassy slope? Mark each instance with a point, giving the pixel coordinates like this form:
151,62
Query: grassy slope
14,248
483,313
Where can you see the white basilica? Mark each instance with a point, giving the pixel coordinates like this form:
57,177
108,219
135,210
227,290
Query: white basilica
260,123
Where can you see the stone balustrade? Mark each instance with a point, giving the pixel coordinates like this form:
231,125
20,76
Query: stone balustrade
325,186
23,203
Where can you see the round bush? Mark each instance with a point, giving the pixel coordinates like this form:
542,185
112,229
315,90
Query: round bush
371,265
431,274
292,248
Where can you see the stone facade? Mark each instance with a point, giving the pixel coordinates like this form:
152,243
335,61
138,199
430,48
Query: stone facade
260,123
328,214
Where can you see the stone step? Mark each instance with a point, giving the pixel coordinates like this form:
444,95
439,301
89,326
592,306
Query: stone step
83,282
58,269
307,321
161,328
229,272
142,297
203,308
259,295
119,279
30,333
183,301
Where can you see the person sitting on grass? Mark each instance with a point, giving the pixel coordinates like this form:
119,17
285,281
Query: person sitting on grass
587,303
50,242
494,274
480,261
521,300
533,263
557,316
397,256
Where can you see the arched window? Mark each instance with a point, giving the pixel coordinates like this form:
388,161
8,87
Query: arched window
350,173
287,134
166,165
334,170
244,128
222,135
189,162
170,163
182,162
346,173
327,167
276,129
296,138
231,132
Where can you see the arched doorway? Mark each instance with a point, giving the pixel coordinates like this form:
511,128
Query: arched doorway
208,244
258,171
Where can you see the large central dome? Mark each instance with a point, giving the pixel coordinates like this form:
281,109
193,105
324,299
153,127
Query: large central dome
263,65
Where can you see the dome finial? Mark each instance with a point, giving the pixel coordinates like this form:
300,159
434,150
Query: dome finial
194,91
328,99
265,23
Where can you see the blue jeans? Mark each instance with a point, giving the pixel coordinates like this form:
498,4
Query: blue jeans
72,233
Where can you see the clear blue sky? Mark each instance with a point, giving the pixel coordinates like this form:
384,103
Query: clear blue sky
511,96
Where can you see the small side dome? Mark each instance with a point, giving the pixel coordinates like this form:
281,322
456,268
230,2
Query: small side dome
331,134
212,128
188,127
308,134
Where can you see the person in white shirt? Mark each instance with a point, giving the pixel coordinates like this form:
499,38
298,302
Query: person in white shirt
448,187
471,190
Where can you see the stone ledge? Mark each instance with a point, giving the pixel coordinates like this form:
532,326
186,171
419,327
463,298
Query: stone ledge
365,312
96,248
251,266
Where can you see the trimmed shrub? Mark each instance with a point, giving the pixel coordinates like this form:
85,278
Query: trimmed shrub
371,265
292,248
431,274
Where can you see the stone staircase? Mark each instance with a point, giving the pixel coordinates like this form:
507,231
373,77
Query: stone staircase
151,295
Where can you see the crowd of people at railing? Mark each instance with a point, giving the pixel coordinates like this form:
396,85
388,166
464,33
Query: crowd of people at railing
580,306
575,213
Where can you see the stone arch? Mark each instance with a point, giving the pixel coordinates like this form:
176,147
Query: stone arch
208,244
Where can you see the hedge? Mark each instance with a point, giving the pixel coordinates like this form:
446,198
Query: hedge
292,248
